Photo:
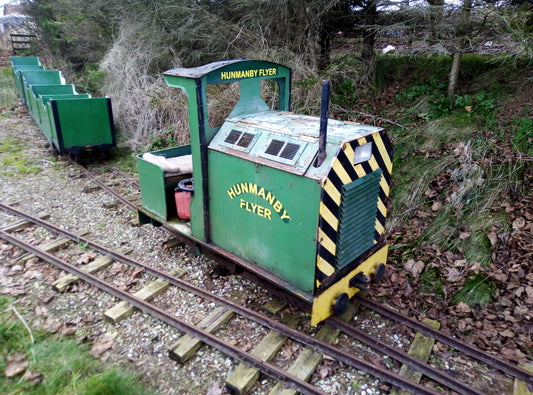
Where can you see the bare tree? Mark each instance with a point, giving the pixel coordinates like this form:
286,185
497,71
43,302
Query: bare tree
369,30
435,19
461,38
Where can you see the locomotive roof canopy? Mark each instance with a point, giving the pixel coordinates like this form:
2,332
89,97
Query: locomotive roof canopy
212,70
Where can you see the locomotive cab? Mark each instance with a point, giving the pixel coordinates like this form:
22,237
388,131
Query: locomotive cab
261,197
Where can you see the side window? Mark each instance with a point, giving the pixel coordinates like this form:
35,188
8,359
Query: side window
270,93
221,99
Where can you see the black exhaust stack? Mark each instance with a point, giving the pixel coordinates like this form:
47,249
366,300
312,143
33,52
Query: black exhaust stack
323,134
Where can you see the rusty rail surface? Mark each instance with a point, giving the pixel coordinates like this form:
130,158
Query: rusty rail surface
267,368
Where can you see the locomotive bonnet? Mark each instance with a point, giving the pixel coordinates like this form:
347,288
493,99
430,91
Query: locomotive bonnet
298,205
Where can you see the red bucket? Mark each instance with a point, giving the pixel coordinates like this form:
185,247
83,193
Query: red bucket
182,194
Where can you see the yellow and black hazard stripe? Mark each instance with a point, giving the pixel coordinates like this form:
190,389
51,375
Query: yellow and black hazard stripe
343,172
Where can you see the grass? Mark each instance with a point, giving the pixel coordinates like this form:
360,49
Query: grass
522,140
469,188
456,155
66,367
12,161
8,94
478,290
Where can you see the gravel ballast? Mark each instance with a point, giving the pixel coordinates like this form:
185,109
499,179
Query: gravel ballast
47,182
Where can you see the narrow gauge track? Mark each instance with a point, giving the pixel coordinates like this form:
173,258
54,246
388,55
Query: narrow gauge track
207,338
384,311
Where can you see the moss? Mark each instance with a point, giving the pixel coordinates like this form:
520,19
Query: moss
477,290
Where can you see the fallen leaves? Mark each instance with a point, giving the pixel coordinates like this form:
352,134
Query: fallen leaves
414,267
102,344
425,278
326,368
86,258
462,307
16,364
33,377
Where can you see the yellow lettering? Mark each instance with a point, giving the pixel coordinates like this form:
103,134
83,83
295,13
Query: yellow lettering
228,75
267,72
254,208
252,188
285,217
270,198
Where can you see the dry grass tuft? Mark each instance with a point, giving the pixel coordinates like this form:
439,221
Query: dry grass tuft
143,104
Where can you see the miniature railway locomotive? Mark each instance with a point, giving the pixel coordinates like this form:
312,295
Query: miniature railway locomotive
73,123
298,201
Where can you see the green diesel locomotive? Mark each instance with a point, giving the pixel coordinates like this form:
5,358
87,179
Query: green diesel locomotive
297,201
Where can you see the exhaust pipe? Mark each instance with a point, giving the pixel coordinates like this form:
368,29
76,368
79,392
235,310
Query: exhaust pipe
323,134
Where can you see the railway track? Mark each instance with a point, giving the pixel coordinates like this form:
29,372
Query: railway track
204,336
427,330
283,330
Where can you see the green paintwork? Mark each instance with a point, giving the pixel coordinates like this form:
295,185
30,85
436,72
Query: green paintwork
44,117
24,60
357,218
194,82
257,197
284,246
84,122
42,77
54,90
300,130
70,121
157,196
20,63
37,90
18,76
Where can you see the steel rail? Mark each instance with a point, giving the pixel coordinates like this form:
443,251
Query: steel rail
468,349
261,319
405,358
103,186
206,337
120,173
472,351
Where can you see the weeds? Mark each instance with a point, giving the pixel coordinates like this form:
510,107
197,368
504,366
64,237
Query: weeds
431,281
522,139
8,93
12,162
477,290
73,369
453,183
163,140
